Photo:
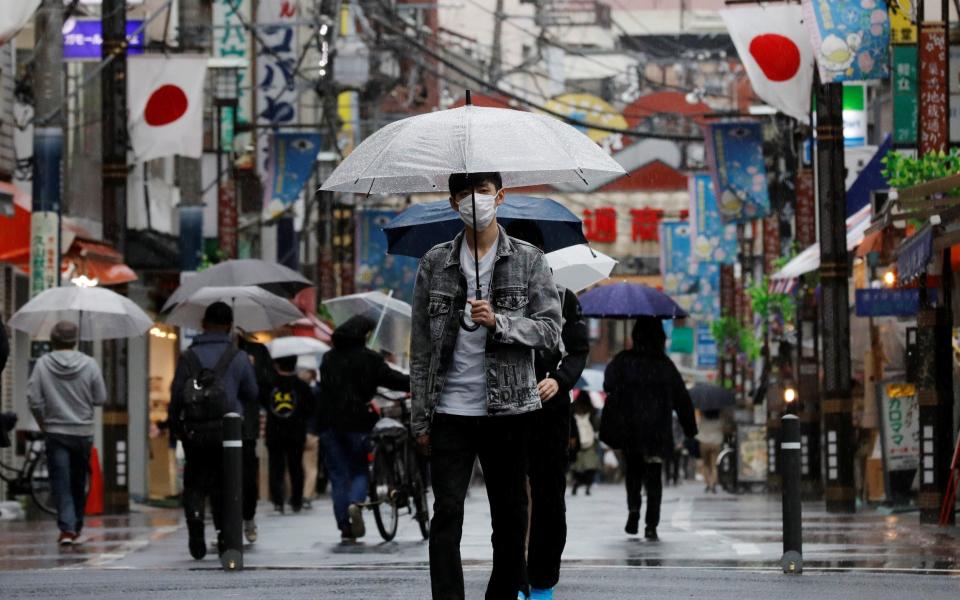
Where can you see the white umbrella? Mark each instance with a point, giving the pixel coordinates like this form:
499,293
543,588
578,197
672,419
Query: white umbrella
296,345
418,153
578,267
100,314
393,318
273,277
254,308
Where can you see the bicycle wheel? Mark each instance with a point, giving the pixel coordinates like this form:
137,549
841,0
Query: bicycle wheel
421,497
383,491
40,488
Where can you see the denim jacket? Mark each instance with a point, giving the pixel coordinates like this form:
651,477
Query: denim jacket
527,311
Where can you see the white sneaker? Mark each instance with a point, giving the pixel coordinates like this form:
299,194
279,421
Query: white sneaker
250,530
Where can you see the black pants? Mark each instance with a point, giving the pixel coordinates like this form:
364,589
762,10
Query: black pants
203,477
499,442
546,469
68,463
649,476
251,478
286,454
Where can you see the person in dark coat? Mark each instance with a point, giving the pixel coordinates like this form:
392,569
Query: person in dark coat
349,377
558,371
289,405
649,388
262,362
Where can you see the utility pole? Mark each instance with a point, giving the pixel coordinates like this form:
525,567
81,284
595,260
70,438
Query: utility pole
47,148
496,58
192,35
113,82
327,88
837,403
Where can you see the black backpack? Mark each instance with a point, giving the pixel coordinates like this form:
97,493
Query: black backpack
283,403
205,399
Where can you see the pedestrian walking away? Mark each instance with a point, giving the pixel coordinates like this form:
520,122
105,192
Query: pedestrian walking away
643,390
212,378
264,371
583,443
63,390
349,377
711,440
289,406
473,379
311,449
557,370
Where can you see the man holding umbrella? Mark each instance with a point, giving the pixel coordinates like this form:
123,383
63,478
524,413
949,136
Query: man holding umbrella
482,303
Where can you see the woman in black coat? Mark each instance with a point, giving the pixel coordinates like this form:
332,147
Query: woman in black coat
644,388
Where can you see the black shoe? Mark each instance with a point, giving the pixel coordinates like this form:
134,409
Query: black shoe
573,492
633,523
221,543
296,507
198,545
278,508
588,490
651,534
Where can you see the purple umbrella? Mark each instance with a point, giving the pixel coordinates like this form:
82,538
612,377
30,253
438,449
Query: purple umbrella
629,301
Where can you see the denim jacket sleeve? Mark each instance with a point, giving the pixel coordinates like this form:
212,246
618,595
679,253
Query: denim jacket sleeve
421,348
541,329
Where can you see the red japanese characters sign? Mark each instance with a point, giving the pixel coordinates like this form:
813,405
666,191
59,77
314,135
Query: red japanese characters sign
934,110
771,241
644,225
806,210
727,291
227,218
600,225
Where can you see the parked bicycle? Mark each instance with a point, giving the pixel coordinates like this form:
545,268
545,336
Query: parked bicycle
31,477
399,478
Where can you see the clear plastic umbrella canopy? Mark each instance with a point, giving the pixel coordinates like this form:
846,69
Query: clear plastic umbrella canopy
273,277
254,308
296,345
99,313
418,153
578,267
393,318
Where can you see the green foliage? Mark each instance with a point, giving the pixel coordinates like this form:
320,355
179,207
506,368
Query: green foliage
766,303
733,337
903,171
211,258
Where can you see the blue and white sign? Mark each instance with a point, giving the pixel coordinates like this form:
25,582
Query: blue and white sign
83,39
706,348
890,302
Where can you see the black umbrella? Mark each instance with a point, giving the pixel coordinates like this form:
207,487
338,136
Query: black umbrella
707,396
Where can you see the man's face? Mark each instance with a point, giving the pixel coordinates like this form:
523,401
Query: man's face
486,187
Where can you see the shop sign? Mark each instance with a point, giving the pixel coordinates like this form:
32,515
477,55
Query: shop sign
735,154
44,248
905,102
706,348
934,112
83,39
901,428
903,21
771,242
752,453
851,39
889,302
231,40
727,291
854,116
713,240
227,218
676,259
600,225
806,210
276,83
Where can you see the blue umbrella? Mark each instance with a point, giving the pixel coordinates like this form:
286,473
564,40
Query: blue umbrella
422,226
629,301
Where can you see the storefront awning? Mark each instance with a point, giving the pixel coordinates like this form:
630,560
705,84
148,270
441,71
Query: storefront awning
809,259
96,260
914,254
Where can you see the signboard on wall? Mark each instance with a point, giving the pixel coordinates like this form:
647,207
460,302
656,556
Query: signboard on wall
900,413
905,103
83,39
934,113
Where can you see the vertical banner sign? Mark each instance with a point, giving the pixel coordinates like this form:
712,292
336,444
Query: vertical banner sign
903,21
735,155
806,211
850,39
377,270
954,102
44,242
727,291
290,162
276,85
713,241
905,103
901,426
227,217
771,242
934,116
231,40
706,348
706,302
676,259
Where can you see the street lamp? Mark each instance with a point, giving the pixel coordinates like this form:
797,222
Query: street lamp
889,279
790,400
226,95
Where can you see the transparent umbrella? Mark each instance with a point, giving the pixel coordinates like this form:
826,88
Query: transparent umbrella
392,316
578,267
254,308
100,314
273,277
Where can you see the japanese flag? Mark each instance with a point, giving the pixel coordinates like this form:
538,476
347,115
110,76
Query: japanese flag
775,51
14,14
165,98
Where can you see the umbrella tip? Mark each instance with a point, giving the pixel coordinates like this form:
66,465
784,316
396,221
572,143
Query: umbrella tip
469,100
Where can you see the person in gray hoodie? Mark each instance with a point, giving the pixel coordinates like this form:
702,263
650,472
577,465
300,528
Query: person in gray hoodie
64,388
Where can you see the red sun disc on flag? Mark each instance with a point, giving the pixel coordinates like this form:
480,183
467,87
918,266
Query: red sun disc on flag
165,105
777,55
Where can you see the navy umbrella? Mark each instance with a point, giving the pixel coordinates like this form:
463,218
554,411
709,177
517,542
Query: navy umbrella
629,301
707,396
422,226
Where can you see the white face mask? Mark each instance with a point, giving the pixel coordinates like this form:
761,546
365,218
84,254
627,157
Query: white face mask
486,210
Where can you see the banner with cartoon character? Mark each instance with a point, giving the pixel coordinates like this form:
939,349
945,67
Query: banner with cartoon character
713,241
735,156
851,39
706,302
676,260
375,269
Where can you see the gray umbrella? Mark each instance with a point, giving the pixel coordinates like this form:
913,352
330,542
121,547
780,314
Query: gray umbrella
707,396
272,277
254,308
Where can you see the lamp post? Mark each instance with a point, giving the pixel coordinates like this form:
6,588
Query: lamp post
226,94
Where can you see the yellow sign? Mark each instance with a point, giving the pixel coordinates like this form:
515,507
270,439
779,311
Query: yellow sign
591,110
901,390
903,21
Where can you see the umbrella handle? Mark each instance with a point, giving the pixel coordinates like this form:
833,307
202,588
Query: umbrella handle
476,259
466,326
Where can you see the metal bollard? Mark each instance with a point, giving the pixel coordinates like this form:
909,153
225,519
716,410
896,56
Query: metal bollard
231,559
792,560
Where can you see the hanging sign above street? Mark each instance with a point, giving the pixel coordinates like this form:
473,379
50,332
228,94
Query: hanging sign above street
83,39
851,39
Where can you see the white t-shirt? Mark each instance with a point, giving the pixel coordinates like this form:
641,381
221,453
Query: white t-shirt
465,390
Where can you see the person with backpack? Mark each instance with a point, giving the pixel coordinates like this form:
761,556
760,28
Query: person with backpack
349,377
289,405
643,389
213,378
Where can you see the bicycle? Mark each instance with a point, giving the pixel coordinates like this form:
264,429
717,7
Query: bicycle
31,477
398,475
